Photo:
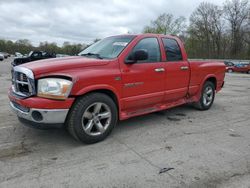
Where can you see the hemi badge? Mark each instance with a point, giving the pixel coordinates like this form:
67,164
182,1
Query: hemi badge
133,84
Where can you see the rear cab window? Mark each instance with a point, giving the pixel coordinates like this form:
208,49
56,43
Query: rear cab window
172,49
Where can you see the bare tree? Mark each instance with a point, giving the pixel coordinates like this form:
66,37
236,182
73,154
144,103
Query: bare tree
166,24
206,26
237,13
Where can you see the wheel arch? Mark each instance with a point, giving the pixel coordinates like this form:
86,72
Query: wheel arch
107,90
213,80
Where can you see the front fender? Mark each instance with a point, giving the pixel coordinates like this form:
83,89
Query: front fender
99,87
88,89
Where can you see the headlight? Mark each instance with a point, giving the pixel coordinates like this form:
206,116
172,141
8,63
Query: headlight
54,88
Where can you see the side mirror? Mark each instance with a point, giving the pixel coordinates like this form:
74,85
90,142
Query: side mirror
138,55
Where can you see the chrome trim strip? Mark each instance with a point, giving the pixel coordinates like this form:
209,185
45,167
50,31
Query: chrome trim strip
30,81
184,68
159,70
21,82
50,116
24,70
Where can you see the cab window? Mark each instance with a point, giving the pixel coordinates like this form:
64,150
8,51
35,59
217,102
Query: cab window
150,45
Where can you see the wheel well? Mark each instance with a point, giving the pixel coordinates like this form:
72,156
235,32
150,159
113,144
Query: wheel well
110,93
213,80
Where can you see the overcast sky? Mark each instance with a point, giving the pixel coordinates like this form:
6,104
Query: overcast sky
81,21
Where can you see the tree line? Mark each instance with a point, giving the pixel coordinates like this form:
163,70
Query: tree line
213,31
24,46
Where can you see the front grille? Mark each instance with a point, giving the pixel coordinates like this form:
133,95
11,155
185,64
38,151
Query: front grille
23,83
22,77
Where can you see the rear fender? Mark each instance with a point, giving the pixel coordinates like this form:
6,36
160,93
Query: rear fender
198,96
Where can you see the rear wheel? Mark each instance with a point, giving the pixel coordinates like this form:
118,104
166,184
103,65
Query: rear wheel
207,96
230,70
248,72
92,118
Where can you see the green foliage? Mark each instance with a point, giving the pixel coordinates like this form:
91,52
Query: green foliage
24,46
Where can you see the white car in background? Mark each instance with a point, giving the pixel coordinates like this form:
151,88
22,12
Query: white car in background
18,54
1,57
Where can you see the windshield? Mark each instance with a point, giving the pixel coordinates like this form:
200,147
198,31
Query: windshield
107,48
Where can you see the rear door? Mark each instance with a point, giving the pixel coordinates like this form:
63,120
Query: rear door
143,82
177,71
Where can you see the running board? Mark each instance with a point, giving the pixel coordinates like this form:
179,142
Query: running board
155,108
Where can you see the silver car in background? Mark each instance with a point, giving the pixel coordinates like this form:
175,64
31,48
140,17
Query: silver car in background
1,57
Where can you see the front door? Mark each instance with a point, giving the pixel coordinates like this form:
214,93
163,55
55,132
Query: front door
143,82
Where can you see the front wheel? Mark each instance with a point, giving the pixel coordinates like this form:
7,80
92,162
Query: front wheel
248,72
92,118
207,96
230,70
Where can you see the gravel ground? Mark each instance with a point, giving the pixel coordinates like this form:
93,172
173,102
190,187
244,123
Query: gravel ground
205,149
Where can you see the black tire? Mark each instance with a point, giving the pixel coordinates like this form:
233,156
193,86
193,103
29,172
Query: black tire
248,72
76,119
201,104
230,71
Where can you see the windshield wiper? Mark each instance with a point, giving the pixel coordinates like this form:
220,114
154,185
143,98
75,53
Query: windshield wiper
92,54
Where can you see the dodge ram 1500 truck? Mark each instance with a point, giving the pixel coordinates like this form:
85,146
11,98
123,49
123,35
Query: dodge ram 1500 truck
114,79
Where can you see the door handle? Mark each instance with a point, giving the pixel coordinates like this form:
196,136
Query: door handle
159,70
184,68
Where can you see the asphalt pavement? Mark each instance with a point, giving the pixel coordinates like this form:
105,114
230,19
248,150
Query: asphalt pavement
191,148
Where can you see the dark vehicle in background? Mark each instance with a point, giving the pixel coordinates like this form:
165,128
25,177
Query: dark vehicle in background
228,63
229,66
33,56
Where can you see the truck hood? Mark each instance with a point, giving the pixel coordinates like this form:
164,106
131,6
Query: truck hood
61,64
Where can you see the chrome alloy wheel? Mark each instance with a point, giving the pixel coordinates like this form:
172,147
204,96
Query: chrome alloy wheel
208,95
96,119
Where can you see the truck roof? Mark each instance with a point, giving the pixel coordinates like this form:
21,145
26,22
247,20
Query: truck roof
147,35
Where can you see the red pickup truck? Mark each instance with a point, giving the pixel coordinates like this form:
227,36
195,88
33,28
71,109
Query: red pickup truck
114,79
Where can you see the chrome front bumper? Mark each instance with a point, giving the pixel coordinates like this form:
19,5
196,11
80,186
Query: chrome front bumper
44,116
